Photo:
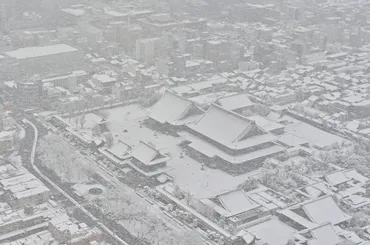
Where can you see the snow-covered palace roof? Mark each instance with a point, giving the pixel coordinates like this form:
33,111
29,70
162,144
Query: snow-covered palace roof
147,154
174,109
230,129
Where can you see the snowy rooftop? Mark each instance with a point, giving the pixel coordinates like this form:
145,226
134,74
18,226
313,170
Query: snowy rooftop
171,108
292,140
336,178
265,123
315,136
211,151
147,154
236,202
324,210
273,232
242,135
104,78
324,235
234,102
42,237
33,52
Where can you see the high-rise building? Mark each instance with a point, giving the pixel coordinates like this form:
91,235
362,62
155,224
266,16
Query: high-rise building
29,93
147,50
3,18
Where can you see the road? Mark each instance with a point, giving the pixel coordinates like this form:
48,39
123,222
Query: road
32,160
153,208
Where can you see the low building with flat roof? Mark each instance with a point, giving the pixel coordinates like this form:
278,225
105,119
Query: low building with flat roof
45,60
21,188
67,230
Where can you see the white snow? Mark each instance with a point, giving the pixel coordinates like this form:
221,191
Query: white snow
33,52
185,171
313,135
21,134
273,232
74,11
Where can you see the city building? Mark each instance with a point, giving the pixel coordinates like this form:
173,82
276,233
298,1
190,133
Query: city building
147,50
236,103
66,230
29,93
20,188
46,60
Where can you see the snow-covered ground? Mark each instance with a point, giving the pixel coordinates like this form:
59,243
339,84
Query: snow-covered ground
124,123
21,133
121,201
16,159
82,189
185,171
313,135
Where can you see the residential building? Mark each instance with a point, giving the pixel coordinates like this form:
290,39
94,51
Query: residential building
29,93
147,50
67,230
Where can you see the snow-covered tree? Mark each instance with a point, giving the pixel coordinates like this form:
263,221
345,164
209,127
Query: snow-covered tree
82,120
109,140
75,120
56,155
247,113
104,114
249,184
290,242
96,130
261,109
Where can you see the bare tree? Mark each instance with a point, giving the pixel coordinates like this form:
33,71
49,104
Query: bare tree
109,140
96,130
247,113
261,109
82,120
290,242
104,114
59,157
75,120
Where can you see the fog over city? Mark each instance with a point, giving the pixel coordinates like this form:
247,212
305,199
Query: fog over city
184,122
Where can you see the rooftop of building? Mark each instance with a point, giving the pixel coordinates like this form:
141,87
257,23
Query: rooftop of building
40,51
